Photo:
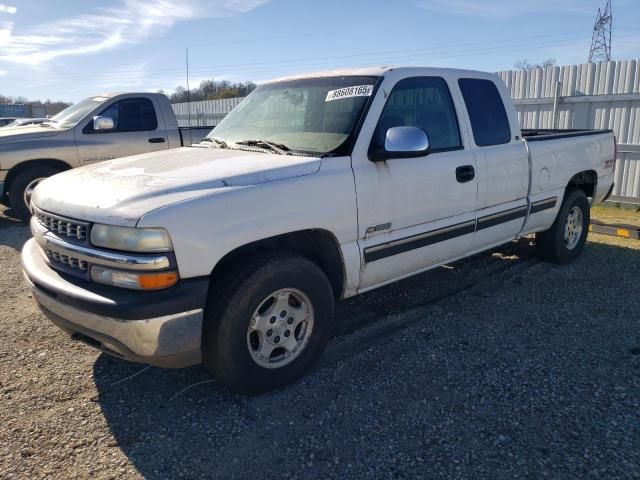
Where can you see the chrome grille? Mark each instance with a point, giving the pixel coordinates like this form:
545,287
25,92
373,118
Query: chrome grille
62,226
74,263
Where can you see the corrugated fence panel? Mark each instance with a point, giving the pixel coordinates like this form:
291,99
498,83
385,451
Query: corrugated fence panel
207,113
592,95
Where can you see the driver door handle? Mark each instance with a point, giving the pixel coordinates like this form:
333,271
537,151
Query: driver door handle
465,173
157,140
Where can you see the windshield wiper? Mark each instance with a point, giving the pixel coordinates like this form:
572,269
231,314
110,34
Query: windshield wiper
216,141
279,148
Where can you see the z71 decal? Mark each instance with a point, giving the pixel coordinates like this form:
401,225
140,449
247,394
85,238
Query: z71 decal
377,229
348,92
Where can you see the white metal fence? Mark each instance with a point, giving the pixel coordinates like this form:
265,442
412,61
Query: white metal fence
207,113
590,95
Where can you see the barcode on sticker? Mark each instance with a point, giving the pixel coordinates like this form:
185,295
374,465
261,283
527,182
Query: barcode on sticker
348,92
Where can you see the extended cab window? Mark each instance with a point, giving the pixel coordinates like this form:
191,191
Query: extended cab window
489,120
129,115
423,102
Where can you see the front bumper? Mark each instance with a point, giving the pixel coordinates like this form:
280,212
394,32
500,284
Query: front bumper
114,320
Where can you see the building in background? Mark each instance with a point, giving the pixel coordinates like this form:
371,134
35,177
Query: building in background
22,110
14,110
38,112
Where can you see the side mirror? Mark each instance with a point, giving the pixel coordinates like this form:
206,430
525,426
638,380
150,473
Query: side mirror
102,124
403,142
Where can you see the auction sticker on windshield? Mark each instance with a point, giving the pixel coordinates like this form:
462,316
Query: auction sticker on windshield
348,92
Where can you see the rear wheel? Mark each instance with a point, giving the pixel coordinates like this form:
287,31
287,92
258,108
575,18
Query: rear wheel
269,324
22,187
565,240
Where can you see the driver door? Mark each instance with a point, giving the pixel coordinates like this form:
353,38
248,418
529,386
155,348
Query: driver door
414,213
136,130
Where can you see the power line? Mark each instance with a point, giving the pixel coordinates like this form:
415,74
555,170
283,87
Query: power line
378,56
433,52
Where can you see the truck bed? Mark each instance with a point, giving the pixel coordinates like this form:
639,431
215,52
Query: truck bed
537,135
555,156
192,135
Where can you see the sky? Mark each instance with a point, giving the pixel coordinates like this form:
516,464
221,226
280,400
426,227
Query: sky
71,49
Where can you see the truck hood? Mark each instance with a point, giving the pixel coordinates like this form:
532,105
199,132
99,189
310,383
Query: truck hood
120,192
28,132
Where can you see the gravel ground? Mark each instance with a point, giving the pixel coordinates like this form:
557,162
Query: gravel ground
531,372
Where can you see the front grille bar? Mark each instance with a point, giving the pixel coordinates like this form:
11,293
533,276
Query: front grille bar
74,263
66,227
102,258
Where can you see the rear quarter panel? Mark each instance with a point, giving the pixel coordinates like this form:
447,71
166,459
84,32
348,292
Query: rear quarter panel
555,161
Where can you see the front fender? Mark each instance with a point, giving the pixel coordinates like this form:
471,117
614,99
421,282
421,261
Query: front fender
61,147
205,229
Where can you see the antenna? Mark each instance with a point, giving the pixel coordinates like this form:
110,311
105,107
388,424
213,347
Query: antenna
188,97
601,40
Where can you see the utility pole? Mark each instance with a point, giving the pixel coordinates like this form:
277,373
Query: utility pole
601,40
188,95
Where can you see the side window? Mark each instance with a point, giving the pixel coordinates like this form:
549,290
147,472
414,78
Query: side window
489,120
129,115
423,102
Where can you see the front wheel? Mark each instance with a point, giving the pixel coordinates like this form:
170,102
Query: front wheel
22,188
566,238
268,324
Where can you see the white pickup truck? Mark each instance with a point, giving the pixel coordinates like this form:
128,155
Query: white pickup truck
314,188
99,128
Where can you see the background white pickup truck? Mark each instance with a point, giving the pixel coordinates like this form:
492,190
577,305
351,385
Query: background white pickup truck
99,128
314,188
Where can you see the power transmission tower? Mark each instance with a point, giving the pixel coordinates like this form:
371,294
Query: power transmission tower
601,40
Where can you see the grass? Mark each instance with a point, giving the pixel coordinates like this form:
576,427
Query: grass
615,215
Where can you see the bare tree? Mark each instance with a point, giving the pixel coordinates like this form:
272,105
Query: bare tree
525,65
213,90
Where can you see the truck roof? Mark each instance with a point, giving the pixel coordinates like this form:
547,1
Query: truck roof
379,71
115,94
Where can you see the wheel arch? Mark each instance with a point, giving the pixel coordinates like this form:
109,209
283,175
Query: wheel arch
318,245
587,181
22,166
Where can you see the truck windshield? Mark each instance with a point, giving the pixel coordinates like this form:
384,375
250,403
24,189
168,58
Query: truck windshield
313,115
70,116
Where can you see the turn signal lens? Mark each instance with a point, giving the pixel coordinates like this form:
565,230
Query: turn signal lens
156,281
134,281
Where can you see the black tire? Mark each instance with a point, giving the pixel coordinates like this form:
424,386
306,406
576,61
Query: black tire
550,245
232,302
20,184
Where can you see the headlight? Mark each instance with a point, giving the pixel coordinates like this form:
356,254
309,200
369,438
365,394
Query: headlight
135,281
131,239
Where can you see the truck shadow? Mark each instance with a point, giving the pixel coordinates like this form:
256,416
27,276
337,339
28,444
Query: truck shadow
167,421
14,232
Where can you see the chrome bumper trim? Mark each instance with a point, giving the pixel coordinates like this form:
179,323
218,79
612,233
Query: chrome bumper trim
48,241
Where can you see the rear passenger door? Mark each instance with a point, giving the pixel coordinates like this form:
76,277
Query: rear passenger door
502,163
137,129
414,213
